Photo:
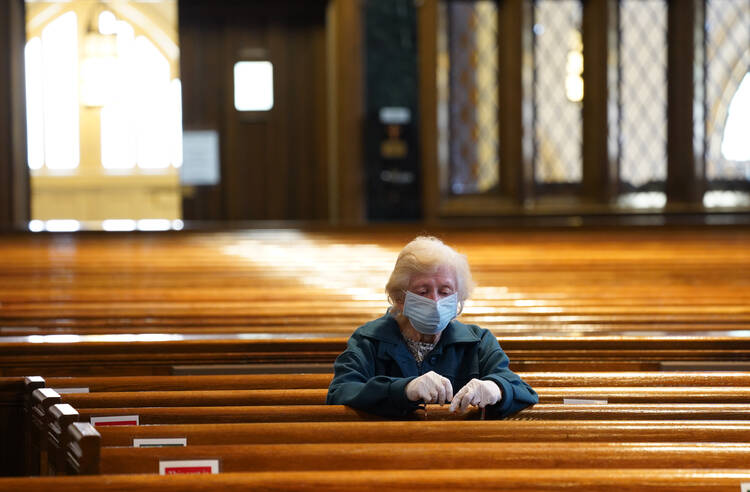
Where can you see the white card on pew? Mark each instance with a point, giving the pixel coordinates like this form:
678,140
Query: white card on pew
114,420
66,391
582,401
179,467
159,442
745,487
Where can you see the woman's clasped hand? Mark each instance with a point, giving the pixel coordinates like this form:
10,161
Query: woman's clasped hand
434,388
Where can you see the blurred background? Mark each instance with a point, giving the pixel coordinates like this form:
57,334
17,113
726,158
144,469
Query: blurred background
157,115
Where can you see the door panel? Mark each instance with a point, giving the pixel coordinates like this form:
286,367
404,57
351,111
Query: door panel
273,164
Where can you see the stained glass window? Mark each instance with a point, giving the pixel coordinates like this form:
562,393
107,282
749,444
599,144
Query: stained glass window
727,64
557,91
643,92
468,95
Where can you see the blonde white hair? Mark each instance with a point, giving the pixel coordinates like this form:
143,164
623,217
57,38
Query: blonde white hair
426,254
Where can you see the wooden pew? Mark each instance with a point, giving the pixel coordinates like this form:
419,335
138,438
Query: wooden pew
313,381
44,398
14,426
529,353
131,402
615,394
332,413
514,479
313,413
595,279
637,411
224,382
716,379
455,454
435,432
41,400
329,424
56,438
586,290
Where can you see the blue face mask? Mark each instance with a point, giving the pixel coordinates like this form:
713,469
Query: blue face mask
427,316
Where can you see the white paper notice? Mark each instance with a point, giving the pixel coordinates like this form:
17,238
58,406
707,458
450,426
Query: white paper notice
114,420
160,442
179,467
200,158
745,487
581,401
67,391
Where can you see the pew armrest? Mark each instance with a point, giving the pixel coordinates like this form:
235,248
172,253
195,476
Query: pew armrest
83,449
30,451
59,417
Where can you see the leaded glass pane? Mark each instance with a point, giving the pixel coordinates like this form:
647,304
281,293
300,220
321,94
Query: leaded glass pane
558,86
643,92
727,64
468,95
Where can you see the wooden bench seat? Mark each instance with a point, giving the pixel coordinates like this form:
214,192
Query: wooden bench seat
329,424
311,381
614,394
638,411
453,455
323,413
595,282
260,311
131,402
159,406
526,354
436,432
85,455
651,301
259,413
513,479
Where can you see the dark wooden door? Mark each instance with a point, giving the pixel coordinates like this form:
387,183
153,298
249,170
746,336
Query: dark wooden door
273,163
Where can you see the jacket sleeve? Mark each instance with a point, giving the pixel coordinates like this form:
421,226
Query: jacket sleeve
493,366
355,383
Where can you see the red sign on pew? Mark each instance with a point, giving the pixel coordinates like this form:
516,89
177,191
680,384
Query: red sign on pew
179,467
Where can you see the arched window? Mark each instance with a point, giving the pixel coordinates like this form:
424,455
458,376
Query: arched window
142,125
52,95
727,103
735,144
141,120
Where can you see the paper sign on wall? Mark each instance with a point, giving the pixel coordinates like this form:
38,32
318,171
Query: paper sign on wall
159,442
745,487
114,420
179,467
200,158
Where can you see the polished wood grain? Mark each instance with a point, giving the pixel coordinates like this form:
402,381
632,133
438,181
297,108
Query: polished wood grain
289,381
453,455
336,413
587,315
562,283
436,432
613,394
519,479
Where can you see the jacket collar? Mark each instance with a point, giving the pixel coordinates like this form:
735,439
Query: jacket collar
386,329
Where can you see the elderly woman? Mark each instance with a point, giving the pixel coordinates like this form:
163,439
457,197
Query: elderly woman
418,353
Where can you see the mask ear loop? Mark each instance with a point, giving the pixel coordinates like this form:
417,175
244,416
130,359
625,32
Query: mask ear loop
392,310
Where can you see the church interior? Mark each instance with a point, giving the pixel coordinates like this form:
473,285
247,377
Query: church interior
201,201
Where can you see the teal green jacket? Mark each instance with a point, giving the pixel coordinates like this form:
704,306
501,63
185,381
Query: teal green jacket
373,371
